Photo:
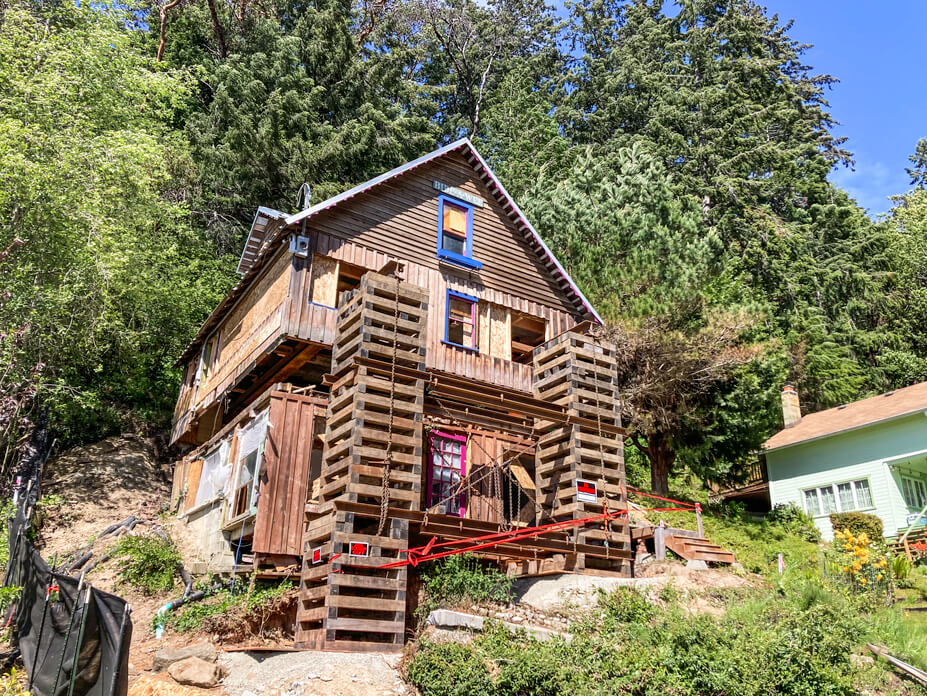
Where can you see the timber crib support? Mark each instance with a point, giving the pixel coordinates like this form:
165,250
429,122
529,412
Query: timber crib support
580,466
374,422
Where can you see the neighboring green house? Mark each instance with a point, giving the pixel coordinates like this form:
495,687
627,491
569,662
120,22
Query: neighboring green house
870,455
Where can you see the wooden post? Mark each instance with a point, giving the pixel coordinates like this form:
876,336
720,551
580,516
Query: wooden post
659,543
698,520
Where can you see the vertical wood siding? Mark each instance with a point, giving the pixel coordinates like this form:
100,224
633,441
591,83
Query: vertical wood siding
316,323
285,476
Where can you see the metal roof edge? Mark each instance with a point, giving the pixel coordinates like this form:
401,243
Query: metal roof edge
370,183
267,212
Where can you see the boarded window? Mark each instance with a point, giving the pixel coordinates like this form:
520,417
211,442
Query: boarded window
461,320
455,229
324,274
495,330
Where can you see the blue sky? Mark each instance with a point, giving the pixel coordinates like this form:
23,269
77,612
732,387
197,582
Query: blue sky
876,50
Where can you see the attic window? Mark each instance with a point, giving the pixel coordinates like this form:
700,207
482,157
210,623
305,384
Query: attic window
455,233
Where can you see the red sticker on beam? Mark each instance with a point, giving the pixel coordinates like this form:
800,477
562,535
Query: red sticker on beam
586,491
359,548
316,555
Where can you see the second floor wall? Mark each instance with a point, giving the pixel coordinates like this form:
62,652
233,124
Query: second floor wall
493,297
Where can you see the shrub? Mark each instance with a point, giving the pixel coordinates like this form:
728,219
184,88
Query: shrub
147,563
766,645
449,669
861,563
461,578
857,523
626,605
791,518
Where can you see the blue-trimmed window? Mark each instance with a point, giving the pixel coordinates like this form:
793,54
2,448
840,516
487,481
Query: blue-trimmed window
455,232
460,320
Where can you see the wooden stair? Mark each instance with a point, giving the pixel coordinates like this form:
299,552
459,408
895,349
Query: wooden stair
696,548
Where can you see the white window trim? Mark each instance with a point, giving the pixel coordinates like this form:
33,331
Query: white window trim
913,480
836,492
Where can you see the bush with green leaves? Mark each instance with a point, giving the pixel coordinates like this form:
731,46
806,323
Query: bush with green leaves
462,578
793,519
857,522
765,644
627,605
147,563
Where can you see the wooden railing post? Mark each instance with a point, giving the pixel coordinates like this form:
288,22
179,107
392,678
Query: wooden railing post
698,519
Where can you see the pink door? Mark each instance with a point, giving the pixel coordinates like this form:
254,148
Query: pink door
446,467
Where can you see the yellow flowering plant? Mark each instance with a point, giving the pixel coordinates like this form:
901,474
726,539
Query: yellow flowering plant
862,563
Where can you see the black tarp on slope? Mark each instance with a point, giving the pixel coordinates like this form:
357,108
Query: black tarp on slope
100,658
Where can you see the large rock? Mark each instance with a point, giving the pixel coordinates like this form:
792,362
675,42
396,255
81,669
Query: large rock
195,672
166,657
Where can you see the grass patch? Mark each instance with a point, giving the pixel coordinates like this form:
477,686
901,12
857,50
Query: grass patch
147,563
755,543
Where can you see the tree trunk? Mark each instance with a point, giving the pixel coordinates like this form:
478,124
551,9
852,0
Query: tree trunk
662,458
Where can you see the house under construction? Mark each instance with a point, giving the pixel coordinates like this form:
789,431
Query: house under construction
403,371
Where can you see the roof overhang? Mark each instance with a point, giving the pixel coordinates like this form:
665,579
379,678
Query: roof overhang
257,236
825,436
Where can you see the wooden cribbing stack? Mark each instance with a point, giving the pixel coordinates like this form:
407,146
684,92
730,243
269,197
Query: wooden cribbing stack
372,454
579,371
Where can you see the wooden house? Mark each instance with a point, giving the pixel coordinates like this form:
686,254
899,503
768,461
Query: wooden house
402,366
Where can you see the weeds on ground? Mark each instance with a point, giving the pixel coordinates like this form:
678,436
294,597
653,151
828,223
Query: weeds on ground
147,563
252,603
13,683
461,578
796,643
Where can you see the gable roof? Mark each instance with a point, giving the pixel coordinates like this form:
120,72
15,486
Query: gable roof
270,225
859,414
514,213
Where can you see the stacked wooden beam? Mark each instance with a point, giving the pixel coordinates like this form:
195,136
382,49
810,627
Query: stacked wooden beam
373,457
580,466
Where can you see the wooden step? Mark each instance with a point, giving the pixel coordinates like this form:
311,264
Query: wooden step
698,549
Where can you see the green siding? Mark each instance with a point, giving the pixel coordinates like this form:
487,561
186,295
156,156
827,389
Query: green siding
864,453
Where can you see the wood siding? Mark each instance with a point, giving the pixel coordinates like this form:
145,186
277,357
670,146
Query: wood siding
285,476
316,323
400,218
245,332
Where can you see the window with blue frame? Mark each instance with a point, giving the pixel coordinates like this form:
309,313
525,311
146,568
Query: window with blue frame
460,321
455,232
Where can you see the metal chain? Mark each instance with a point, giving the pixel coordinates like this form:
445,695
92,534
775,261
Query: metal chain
385,486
